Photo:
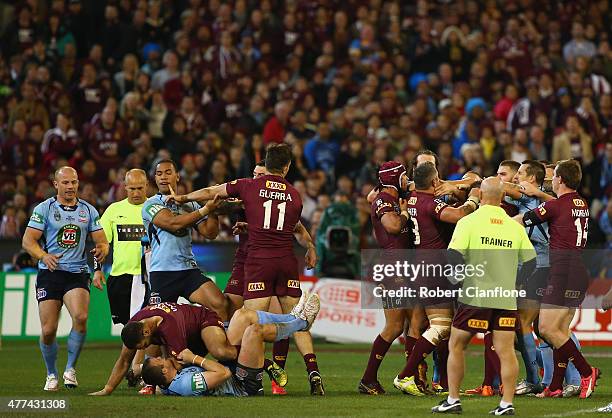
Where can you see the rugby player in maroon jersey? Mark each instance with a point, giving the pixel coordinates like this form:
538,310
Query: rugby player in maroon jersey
391,224
273,208
567,218
431,236
235,286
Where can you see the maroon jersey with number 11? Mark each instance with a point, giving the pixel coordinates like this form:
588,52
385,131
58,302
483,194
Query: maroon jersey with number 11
272,207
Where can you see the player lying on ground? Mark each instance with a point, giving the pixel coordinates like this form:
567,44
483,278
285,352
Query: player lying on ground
204,377
177,327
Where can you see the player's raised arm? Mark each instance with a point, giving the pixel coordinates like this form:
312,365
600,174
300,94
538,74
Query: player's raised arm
163,218
119,370
392,222
452,215
305,240
204,194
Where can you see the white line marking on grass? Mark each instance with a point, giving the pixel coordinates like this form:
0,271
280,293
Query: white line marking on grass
570,413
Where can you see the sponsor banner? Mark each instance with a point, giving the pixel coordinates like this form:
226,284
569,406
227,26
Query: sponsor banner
342,318
19,310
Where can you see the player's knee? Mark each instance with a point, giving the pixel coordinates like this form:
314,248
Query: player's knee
253,332
80,319
245,315
48,332
438,331
392,330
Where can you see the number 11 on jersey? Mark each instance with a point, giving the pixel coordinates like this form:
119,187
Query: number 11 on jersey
268,214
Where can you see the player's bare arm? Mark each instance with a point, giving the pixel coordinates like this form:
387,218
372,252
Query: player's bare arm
392,222
164,219
215,373
210,227
119,370
206,193
513,190
305,240
30,244
101,249
531,190
452,215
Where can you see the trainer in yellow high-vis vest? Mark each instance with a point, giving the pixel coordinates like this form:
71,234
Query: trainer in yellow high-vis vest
491,245
122,223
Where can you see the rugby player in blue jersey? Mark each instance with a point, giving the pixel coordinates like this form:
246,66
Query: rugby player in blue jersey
173,271
56,236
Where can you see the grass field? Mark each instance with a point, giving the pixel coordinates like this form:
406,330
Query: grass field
23,375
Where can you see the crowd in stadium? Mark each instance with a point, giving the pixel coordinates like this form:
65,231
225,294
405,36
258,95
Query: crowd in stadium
109,86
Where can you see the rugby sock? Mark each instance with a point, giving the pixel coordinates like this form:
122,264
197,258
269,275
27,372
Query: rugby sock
436,365
560,364
279,352
528,352
492,365
409,343
272,318
442,361
74,344
379,349
570,352
311,363
421,349
49,353
539,357
546,352
285,329
572,377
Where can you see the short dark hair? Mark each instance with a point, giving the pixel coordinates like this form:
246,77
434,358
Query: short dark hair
424,174
514,165
261,163
152,375
132,334
570,172
169,161
536,169
413,163
278,156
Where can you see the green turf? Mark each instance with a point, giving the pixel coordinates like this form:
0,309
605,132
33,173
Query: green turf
23,375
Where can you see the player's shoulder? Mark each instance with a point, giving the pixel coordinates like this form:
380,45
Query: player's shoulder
45,205
85,204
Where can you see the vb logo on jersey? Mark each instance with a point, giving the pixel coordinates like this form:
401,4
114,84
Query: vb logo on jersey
69,236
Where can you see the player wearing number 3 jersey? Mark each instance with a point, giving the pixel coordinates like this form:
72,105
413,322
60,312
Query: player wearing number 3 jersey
272,208
567,218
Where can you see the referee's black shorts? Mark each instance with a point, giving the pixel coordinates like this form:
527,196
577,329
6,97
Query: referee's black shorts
126,295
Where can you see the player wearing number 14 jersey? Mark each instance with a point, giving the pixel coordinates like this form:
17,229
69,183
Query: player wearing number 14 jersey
272,208
567,218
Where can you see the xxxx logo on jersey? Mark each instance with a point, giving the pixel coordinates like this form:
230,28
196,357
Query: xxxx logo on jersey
69,236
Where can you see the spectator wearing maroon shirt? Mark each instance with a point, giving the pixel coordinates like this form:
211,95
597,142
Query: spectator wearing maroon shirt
572,142
106,141
61,141
275,128
89,97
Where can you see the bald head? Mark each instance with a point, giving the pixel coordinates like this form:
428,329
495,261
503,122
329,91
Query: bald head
135,175
136,186
492,191
66,181
64,171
